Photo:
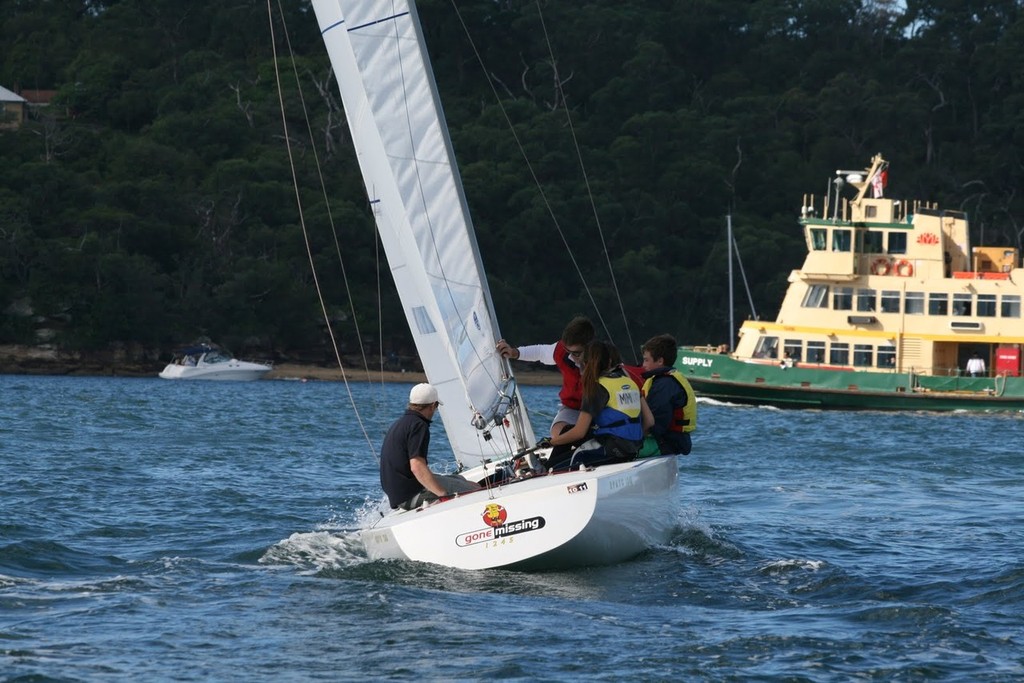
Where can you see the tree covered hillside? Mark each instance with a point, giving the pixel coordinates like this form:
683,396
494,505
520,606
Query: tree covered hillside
152,201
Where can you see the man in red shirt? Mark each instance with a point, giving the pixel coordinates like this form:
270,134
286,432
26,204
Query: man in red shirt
565,354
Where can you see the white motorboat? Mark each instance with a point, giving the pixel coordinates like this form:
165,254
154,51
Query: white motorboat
207,361
520,519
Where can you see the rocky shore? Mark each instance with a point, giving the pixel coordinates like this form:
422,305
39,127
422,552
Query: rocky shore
30,360
525,376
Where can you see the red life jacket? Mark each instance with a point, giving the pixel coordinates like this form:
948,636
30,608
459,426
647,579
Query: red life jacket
635,372
571,394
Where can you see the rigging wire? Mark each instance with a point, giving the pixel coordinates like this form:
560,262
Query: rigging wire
590,193
442,277
743,276
323,190
526,158
302,218
423,199
480,355
733,247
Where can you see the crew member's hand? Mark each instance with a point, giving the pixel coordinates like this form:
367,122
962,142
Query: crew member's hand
507,350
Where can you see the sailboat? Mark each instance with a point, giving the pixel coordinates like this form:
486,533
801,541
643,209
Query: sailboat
592,516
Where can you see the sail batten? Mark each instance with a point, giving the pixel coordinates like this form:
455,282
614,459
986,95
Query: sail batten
408,166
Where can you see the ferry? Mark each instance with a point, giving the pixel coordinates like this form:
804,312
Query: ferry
892,309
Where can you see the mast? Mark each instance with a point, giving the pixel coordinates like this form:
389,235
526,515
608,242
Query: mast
732,308
408,165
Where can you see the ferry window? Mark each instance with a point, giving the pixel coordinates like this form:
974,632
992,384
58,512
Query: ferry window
865,299
815,352
961,304
938,304
870,211
987,305
818,236
886,356
863,355
890,301
897,243
816,297
792,348
767,347
842,299
873,242
1010,306
840,240
839,354
915,303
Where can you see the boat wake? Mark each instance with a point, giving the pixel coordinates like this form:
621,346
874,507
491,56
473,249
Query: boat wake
334,544
314,551
704,400
696,538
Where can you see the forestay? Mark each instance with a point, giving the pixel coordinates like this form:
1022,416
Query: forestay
405,153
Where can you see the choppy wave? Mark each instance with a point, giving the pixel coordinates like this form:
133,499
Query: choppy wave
156,530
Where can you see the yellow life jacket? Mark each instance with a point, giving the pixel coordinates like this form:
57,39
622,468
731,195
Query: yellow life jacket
684,419
621,417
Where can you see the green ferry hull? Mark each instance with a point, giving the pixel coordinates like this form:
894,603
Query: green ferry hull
721,377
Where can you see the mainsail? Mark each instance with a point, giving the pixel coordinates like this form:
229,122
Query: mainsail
405,153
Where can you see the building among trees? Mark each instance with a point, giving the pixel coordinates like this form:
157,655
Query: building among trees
12,109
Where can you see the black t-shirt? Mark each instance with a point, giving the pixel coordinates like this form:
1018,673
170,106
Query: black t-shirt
409,436
596,405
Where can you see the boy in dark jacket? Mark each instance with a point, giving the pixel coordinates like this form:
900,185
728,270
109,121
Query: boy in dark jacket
670,398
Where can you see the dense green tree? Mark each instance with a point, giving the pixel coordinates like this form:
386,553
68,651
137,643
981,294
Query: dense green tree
601,144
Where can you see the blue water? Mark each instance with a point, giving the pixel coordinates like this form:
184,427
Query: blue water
154,530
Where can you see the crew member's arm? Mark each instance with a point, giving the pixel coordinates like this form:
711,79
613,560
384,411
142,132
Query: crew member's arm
576,433
544,353
424,476
646,416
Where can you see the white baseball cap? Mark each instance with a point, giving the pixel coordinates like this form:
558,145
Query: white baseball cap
423,394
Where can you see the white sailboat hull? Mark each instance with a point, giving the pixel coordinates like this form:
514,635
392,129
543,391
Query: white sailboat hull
572,519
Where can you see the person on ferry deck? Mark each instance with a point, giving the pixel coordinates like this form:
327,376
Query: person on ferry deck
976,366
613,415
405,475
670,397
565,354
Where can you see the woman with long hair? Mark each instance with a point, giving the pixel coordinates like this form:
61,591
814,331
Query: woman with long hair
613,415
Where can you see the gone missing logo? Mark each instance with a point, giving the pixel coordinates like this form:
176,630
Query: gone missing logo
519,527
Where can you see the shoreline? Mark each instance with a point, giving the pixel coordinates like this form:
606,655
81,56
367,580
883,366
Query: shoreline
23,360
298,371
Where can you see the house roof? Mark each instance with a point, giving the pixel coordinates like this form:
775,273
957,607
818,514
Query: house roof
8,96
38,96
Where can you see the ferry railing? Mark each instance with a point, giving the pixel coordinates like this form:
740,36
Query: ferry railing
953,379
841,212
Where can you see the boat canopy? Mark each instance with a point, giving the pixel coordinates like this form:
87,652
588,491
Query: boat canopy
196,349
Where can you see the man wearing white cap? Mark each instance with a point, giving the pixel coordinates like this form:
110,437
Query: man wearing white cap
404,474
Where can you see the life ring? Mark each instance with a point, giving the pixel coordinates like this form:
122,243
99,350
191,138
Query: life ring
904,268
880,266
